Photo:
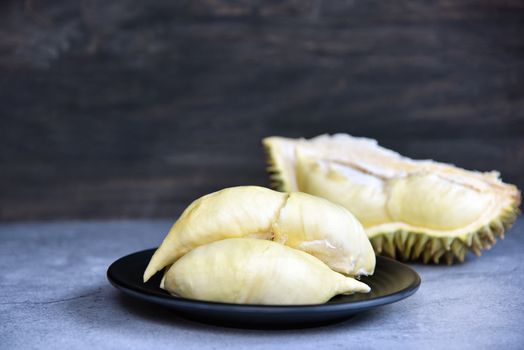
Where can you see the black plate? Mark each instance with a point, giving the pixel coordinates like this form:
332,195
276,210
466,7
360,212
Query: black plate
391,282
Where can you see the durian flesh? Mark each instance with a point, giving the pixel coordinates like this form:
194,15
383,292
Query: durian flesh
410,209
254,271
298,220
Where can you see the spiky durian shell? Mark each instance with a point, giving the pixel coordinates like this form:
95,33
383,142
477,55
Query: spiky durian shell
405,245
416,245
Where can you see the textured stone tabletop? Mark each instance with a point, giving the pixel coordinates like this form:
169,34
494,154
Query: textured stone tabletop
54,295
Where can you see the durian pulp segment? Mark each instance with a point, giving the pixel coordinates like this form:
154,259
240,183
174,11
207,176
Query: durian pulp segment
362,194
217,216
312,224
258,272
410,208
326,231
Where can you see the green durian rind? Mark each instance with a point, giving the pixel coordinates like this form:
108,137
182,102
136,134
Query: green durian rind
419,246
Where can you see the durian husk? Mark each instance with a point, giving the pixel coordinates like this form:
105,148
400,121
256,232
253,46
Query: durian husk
400,240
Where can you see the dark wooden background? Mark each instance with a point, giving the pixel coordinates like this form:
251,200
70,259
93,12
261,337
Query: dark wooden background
132,108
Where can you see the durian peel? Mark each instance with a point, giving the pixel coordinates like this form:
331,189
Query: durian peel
410,209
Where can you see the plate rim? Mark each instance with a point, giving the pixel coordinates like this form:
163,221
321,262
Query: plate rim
147,295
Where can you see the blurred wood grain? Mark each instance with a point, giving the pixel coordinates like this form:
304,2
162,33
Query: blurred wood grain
133,109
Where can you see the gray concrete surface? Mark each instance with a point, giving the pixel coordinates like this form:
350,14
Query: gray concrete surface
54,295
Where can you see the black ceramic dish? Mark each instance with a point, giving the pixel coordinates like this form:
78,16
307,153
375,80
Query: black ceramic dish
391,282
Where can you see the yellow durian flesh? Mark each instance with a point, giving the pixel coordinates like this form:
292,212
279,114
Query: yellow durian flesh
254,271
305,222
427,200
244,211
362,194
320,228
410,209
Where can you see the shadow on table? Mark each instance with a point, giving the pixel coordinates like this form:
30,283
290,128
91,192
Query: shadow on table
105,308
